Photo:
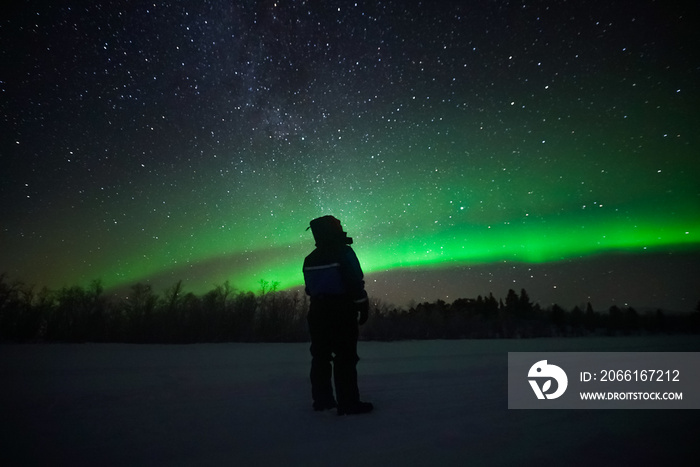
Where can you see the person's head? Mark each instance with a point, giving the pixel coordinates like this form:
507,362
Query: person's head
327,231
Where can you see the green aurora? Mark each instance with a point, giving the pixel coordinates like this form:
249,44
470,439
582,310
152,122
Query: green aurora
201,153
417,219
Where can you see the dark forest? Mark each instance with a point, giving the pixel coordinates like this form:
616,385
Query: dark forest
224,314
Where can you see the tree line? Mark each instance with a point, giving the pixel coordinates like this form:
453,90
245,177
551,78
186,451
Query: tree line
224,314
517,317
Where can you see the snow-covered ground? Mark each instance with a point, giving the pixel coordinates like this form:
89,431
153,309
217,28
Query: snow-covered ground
437,403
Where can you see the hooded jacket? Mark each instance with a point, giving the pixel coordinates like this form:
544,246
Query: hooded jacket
332,270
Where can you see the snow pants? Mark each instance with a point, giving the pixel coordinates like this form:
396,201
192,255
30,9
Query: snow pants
334,330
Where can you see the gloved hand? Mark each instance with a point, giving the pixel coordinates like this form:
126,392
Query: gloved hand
363,309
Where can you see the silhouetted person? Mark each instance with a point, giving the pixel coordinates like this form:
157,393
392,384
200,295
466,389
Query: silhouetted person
334,281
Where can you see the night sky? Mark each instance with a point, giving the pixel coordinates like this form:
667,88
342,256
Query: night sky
468,147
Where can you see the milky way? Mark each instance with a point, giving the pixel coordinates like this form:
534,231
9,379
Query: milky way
466,146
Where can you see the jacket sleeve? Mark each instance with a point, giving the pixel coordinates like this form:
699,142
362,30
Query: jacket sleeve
353,276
